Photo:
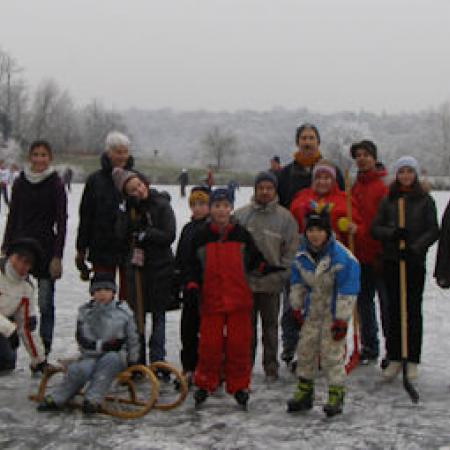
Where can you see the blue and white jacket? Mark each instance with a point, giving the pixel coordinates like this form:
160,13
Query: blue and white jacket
333,278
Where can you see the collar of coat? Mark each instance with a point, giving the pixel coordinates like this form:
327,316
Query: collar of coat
269,207
370,175
107,167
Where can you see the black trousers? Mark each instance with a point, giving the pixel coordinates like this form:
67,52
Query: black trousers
8,355
190,325
415,279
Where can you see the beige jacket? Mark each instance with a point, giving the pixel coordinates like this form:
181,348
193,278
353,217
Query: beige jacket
275,232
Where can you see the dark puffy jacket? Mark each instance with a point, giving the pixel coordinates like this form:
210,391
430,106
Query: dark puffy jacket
39,211
155,226
420,222
442,269
295,177
98,214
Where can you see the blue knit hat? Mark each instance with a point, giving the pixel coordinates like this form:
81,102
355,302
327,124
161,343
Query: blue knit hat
407,161
219,194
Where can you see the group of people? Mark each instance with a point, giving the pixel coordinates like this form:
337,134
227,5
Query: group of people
303,240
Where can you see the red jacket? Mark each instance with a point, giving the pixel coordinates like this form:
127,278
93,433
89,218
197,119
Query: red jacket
219,263
301,204
368,191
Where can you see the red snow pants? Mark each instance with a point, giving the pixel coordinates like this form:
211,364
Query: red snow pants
225,342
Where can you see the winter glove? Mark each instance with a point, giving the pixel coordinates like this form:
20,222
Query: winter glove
82,266
113,345
298,317
400,234
55,268
267,269
339,329
14,340
190,297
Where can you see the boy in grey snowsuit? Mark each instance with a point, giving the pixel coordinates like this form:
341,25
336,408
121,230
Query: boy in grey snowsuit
108,342
324,286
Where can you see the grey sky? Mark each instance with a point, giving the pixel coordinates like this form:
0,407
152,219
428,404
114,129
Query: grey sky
327,55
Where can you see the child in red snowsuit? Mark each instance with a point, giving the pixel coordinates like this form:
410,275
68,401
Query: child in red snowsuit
222,253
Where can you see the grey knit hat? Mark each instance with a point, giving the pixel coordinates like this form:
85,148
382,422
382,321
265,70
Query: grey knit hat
121,177
102,280
266,176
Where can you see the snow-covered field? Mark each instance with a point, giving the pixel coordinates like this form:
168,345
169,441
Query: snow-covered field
376,415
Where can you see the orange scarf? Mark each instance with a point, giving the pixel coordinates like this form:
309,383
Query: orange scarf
307,160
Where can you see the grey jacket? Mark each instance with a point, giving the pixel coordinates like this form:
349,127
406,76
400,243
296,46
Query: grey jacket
98,324
275,232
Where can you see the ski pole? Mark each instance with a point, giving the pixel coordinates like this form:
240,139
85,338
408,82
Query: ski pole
354,357
412,392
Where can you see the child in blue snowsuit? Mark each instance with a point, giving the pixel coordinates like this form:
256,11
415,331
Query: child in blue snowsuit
324,286
108,342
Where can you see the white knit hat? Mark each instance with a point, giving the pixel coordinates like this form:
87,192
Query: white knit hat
407,161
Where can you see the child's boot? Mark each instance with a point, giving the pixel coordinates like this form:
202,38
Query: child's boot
200,395
242,398
392,370
335,401
48,404
303,396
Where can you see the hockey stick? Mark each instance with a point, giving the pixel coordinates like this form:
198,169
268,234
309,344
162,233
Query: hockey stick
354,357
412,392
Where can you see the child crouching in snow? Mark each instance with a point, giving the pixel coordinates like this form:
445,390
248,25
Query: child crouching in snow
108,342
222,253
324,286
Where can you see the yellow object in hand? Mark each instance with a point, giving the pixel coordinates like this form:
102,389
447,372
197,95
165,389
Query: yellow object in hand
343,224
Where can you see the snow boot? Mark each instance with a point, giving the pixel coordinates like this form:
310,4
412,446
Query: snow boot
392,370
48,404
200,395
242,398
303,396
411,370
287,356
335,401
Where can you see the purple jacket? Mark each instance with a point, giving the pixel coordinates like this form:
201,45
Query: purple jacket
39,211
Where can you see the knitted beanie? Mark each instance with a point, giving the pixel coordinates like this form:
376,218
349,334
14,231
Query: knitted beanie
266,176
121,177
102,280
324,166
199,194
219,194
407,161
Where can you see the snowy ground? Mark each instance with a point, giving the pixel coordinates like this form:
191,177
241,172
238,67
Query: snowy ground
376,415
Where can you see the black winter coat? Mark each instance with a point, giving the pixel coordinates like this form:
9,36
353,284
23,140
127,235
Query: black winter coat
295,177
153,230
442,269
98,214
420,222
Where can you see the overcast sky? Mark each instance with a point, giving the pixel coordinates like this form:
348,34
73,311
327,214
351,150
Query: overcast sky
327,55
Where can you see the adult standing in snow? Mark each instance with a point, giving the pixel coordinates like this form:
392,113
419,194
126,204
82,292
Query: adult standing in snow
148,220
38,210
183,179
275,234
294,177
367,192
421,230
96,240
442,267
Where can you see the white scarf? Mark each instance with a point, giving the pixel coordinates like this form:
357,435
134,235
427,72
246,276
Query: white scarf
37,177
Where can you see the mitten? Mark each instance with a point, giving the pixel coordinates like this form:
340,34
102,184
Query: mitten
343,224
113,345
400,234
267,269
14,340
298,316
55,268
82,266
339,329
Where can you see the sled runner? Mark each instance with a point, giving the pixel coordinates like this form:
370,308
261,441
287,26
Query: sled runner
133,393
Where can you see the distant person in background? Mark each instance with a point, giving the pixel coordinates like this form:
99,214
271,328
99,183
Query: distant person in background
96,240
232,186
15,172
5,176
38,210
275,165
183,179
67,178
210,179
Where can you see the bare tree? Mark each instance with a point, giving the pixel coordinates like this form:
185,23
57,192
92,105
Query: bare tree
220,146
